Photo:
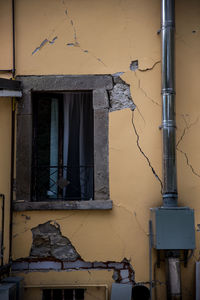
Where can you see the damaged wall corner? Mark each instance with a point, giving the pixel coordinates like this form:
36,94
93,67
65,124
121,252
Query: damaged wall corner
49,242
120,95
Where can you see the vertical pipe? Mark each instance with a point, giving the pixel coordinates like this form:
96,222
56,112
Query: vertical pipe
168,104
12,138
13,36
2,228
169,137
174,278
150,257
12,175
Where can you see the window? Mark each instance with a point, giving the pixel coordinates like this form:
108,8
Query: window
63,294
62,143
63,147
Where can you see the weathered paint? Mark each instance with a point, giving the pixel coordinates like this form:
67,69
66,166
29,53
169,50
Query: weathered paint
104,37
5,134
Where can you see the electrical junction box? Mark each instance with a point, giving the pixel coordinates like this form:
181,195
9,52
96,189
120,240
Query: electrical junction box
18,281
173,228
8,291
121,291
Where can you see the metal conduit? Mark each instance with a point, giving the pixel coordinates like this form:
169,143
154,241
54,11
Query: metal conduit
169,138
168,104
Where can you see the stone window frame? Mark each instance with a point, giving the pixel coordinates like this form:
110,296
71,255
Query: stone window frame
100,85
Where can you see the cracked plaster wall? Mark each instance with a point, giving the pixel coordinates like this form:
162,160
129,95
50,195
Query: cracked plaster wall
87,45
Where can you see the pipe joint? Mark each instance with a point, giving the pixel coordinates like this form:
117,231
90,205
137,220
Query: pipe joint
168,123
167,91
170,200
167,24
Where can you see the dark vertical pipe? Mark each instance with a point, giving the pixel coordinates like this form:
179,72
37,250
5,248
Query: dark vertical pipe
169,138
150,258
13,36
168,104
2,228
12,138
12,175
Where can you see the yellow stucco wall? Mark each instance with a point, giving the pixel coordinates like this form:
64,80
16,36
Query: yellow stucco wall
114,33
5,134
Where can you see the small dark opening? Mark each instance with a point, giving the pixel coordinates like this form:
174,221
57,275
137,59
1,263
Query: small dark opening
63,294
140,292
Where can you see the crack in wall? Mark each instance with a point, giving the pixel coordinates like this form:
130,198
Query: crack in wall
140,114
120,238
43,43
29,228
188,163
76,43
186,128
144,92
145,156
133,216
134,66
150,68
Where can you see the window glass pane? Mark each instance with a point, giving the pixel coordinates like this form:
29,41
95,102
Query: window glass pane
58,294
46,294
63,146
63,294
68,294
79,294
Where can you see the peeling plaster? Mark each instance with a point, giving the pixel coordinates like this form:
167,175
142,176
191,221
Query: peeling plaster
43,43
120,95
48,242
118,74
123,271
52,251
134,65
53,40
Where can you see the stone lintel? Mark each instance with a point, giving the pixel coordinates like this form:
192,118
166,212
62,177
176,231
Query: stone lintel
21,205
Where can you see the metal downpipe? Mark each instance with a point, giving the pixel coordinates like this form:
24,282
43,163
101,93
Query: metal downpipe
173,270
168,105
169,139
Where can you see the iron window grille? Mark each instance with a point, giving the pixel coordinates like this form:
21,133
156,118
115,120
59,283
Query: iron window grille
63,162
63,294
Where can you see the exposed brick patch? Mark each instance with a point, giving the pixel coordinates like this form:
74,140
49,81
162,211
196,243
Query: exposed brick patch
122,271
49,242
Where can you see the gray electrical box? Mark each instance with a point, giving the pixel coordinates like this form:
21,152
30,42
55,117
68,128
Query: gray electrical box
8,291
121,291
173,228
19,282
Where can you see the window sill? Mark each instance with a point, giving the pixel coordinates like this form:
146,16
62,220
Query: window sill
63,205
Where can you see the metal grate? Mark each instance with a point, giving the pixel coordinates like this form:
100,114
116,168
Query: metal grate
63,294
62,183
